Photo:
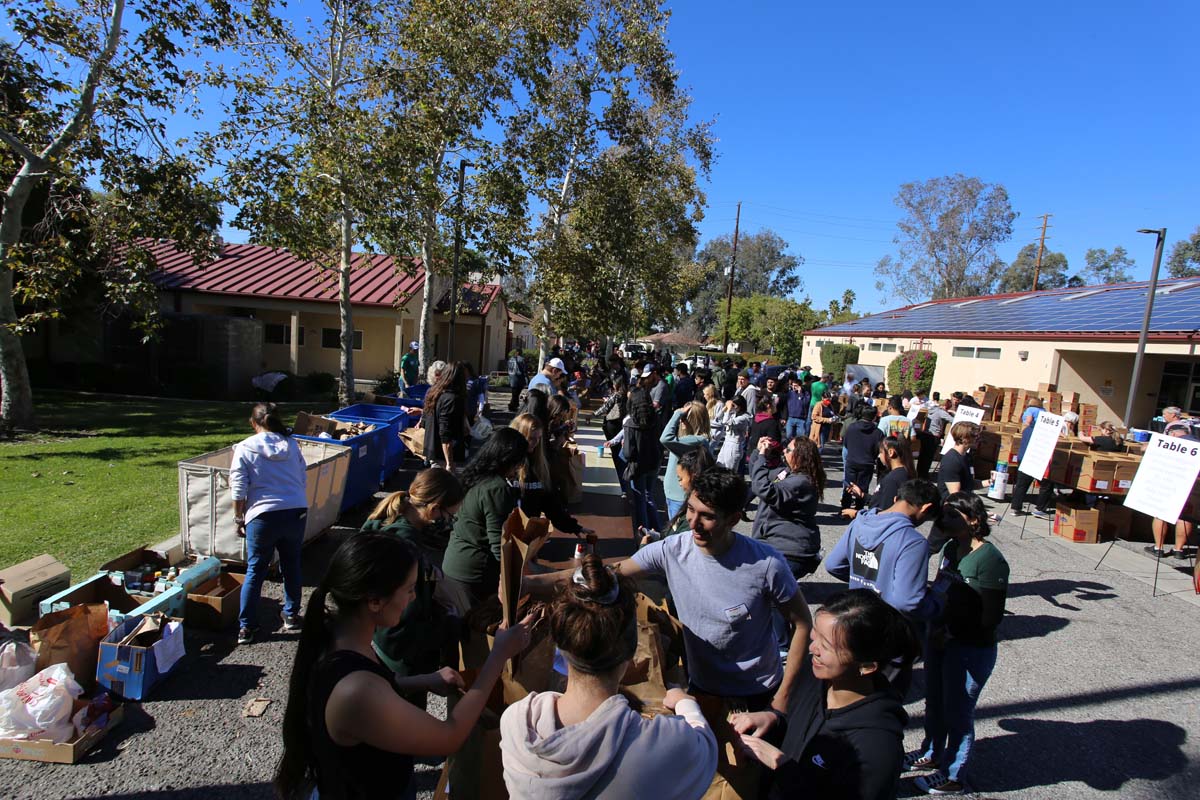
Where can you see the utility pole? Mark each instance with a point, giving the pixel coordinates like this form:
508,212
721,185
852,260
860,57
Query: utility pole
732,266
1037,269
454,288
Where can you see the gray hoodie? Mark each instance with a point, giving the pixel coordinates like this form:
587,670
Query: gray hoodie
268,472
615,753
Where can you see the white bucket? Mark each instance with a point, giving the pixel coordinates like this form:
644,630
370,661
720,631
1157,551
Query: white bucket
999,485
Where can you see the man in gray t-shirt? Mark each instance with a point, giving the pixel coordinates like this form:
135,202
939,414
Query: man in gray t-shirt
726,589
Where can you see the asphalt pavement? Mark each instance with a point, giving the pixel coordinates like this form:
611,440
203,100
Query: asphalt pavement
1093,695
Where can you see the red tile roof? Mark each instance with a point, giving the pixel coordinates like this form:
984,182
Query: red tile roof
250,270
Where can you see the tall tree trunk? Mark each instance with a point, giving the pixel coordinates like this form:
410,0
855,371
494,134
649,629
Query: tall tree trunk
16,405
431,291
346,383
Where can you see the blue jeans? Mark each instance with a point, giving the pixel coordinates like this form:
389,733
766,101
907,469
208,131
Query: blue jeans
954,678
641,497
619,465
281,530
673,508
796,427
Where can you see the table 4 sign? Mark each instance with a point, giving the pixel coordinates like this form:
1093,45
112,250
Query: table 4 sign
961,414
1165,477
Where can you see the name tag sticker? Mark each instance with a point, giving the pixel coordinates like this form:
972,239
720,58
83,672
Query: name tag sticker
737,613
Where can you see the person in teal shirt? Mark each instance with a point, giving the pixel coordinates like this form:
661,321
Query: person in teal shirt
410,365
687,429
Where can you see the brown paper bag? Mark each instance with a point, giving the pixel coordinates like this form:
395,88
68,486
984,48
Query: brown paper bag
414,440
72,637
573,478
738,776
657,663
476,772
520,542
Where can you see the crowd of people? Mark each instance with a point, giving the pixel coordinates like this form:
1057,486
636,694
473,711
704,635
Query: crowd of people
818,698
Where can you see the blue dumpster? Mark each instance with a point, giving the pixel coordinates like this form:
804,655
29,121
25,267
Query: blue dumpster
392,420
367,454
417,391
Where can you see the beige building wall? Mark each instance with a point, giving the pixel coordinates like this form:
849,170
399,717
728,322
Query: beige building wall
1099,371
386,333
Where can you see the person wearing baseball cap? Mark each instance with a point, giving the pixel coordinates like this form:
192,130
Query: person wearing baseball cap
410,364
547,380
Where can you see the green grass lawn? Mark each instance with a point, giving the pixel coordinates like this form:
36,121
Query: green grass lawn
101,477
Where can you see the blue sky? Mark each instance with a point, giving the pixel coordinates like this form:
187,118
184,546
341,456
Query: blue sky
1084,110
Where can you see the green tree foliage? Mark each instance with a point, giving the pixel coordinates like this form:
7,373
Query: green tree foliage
843,310
1018,277
835,357
947,239
606,147
771,324
1184,261
1104,266
911,371
764,266
99,81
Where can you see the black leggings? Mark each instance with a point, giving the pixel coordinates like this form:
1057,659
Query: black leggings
1045,495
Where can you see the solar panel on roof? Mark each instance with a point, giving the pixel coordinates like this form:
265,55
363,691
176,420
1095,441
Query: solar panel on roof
1109,309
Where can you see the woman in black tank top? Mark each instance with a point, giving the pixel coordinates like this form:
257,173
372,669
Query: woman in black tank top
347,730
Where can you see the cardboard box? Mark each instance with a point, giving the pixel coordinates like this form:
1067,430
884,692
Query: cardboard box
65,753
1136,448
214,605
1098,473
25,585
1127,467
121,603
1060,460
1076,524
132,670
192,571
1046,388
313,425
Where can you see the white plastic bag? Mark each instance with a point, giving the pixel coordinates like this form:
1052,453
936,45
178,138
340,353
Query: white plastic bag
482,429
40,708
17,661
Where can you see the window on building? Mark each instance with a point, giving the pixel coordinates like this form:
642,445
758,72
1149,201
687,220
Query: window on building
992,353
331,339
274,333
881,347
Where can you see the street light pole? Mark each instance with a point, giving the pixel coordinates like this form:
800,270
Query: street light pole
732,266
454,288
1161,233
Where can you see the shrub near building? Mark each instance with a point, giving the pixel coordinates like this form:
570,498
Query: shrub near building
911,371
836,357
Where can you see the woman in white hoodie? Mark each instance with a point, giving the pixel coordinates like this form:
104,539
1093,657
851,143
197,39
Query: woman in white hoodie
734,420
587,742
270,505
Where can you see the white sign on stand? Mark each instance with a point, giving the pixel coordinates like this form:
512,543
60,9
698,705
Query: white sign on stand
1046,430
1164,478
961,414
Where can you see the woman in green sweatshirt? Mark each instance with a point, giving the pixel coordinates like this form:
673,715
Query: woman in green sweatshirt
421,516
472,561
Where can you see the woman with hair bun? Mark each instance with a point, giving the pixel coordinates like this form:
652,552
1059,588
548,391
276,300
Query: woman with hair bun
270,506
843,734
348,732
587,741
962,650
